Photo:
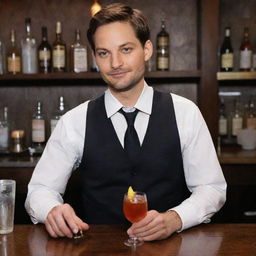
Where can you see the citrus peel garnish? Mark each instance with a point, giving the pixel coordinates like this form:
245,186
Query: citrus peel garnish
130,193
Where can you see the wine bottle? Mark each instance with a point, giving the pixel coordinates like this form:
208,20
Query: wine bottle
59,53
245,52
13,56
78,55
2,58
58,114
162,55
38,128
223,121
44,54
250,121
29,51
227,53
237,119
4,131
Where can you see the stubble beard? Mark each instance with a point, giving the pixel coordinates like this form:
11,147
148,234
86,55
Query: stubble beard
127,87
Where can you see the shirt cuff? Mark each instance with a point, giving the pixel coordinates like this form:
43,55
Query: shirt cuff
39,209
188,215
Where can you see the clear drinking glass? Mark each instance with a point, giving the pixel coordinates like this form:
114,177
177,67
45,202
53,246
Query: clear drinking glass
7,203
135,209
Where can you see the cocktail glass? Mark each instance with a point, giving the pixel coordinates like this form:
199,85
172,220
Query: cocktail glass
135,209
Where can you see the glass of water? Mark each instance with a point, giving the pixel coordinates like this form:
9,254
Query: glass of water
7,204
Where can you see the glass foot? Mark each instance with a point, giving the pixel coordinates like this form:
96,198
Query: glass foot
133,241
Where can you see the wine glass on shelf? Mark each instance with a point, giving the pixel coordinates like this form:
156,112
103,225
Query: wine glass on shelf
135,209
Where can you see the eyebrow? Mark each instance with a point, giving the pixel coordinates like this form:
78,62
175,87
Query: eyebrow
120,46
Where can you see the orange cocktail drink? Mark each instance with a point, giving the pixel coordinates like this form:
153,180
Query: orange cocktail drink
135,209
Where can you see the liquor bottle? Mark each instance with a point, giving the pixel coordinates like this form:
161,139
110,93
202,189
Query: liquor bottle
29,51
38,128
59,53
2,58
223,121
58,114
246,52
250,120
237,120
44,54
13,56
227,53
78,55
162,43
4,131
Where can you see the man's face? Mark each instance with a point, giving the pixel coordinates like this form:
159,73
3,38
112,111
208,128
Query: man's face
120,55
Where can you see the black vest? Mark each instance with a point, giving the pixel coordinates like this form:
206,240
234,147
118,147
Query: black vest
106,172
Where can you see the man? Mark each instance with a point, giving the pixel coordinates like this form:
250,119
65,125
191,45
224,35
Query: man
176,164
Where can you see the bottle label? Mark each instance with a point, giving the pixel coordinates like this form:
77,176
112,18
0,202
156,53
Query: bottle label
245,59
237,125
251,122
80,60
4,137
227,60
59,57
44,55
14,64
223,124
162,41
162,63
53,124
38,131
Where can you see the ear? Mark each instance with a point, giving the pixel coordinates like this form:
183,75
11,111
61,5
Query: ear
148,50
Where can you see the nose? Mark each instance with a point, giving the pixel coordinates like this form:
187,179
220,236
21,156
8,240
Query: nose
116,60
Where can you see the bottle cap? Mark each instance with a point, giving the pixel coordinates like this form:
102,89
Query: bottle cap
27,20
58,27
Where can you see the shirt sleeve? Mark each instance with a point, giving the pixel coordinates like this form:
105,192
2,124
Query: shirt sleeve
50,176
203,174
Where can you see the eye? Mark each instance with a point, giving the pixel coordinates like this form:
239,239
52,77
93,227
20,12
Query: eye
102,54
126,49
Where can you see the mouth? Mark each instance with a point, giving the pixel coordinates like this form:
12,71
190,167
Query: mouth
117,74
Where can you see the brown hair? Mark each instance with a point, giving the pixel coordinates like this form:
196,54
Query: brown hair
119,12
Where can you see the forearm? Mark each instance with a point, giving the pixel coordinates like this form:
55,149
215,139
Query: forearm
39,202
200,206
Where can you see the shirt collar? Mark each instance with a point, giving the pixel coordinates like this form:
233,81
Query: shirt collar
143,104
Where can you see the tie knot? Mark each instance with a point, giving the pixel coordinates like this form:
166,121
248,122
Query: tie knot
129,116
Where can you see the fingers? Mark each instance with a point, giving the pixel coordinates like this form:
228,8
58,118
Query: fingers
82,225
62,221
154,226
50,230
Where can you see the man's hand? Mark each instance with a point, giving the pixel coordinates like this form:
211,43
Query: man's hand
156,226
62,221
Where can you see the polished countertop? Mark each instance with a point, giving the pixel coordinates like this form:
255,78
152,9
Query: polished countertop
99,240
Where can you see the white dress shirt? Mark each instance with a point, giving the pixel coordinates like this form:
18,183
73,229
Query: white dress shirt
63,153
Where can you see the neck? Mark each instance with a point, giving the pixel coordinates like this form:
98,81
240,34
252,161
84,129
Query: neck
130,97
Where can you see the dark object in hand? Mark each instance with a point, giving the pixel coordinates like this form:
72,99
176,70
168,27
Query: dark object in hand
79,234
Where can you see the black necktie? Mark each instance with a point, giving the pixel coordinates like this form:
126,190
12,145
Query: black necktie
131,139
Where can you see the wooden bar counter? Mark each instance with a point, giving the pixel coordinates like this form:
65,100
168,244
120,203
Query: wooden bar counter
203,240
